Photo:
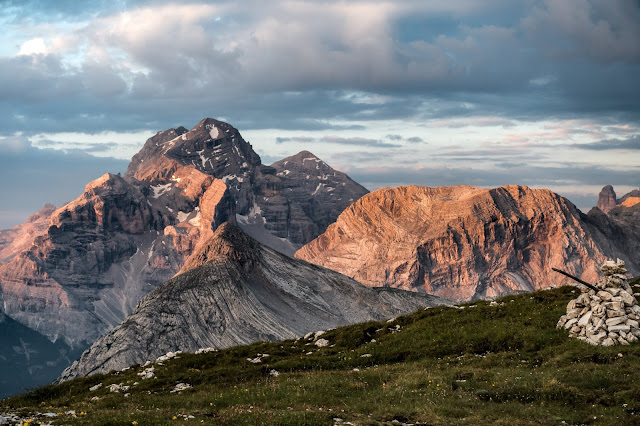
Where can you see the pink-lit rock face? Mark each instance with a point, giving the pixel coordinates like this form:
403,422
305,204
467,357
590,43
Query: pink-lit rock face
463,242
607,199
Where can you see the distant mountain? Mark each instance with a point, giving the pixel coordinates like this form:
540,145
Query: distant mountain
236,291
465,243
27,358
75,272
20,237
607,200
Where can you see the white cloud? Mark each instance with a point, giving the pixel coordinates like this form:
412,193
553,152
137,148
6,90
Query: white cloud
35,46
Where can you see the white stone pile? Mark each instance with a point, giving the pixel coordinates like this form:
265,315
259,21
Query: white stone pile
608,316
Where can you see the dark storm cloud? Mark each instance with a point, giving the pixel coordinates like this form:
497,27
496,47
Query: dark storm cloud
40,176
608,144
518,60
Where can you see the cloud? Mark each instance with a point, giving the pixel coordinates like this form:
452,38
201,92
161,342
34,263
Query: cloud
412,139
299,139
357,141
296,65
39,176
632,143
89,147
338,140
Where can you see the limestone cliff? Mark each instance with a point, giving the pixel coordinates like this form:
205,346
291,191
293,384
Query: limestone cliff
462,242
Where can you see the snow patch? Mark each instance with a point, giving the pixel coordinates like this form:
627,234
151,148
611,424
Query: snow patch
318,188
232,177
159,190
196,220
182,216
202,157
253,218
214,132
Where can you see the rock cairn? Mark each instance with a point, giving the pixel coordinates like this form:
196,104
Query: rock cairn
608,316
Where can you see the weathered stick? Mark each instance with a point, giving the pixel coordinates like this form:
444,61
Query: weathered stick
591,286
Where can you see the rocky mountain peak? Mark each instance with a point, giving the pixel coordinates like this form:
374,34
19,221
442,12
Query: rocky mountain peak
302,160
44,212
107,182
607,199
228,243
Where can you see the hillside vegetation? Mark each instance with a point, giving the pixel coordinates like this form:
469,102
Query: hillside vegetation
502,362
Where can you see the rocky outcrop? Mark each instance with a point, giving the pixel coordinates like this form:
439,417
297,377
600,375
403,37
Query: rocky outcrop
606,314
462,242
236,291
75,272
607,200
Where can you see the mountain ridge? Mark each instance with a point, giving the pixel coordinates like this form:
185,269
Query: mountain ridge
463,242
237,291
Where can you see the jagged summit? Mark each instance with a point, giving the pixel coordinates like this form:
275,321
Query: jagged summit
227,243
212,147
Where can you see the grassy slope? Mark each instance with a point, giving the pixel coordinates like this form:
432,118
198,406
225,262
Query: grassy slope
504,364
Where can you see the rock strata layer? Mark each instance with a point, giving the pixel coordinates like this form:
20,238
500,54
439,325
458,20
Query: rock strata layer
608,316
464,243
237,291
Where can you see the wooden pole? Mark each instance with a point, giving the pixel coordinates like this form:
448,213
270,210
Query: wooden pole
591,286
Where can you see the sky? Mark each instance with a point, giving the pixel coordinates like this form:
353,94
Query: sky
544,93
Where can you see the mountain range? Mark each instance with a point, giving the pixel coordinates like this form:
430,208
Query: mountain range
72,274
75,272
